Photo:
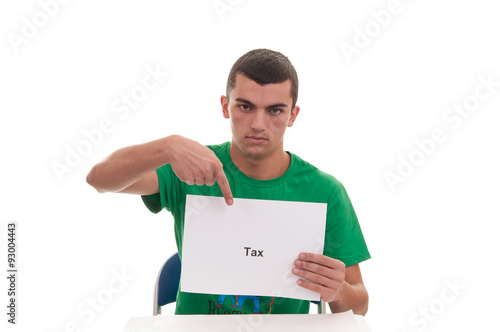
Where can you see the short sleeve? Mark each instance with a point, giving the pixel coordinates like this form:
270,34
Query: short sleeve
344,239
167,195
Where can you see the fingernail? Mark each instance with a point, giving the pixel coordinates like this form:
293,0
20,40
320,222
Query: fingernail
297,263
229,202
296,271
302,256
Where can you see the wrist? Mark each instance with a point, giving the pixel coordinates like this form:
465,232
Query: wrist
340,294
351,297
166,148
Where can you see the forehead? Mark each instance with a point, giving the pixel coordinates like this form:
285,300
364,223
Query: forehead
261,95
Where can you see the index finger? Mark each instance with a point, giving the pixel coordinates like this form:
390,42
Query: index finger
223,183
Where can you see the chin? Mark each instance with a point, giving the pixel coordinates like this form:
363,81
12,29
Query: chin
259,153
253,152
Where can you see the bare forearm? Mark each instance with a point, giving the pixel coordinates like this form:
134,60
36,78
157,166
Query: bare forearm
127,165
353,297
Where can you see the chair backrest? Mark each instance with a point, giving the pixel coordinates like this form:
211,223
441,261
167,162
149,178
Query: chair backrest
167,284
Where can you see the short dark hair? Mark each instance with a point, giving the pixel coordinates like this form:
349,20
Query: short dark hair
265,66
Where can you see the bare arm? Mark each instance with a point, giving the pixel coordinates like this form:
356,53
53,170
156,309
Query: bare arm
128,166
132,169
353,294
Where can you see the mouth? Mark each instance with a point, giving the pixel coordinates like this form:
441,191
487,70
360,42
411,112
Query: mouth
256,139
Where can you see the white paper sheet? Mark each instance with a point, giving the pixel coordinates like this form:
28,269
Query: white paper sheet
248,248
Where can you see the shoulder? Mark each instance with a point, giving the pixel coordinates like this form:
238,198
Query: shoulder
219,149
311,173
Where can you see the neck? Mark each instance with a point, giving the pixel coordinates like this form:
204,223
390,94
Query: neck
265,168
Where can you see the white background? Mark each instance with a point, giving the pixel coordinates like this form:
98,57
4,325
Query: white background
357,118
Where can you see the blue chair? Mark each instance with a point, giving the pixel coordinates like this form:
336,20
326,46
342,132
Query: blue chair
167,284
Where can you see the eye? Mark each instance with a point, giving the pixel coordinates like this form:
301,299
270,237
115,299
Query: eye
244,107
275,111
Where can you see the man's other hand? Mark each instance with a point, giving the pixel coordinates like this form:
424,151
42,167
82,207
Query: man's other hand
327,275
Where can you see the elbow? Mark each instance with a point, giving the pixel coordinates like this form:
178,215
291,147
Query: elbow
364,308
91,180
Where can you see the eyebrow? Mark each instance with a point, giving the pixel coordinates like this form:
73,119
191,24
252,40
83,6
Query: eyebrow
253,105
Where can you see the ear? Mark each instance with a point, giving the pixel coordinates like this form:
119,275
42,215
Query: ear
225,106
293,115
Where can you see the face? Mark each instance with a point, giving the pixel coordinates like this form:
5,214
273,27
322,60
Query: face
259,116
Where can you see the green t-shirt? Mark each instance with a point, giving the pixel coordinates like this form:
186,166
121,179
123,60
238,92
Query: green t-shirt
302,182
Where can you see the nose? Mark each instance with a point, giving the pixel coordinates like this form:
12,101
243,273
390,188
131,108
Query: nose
258,122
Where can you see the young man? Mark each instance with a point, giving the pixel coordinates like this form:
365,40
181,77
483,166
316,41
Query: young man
260,104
